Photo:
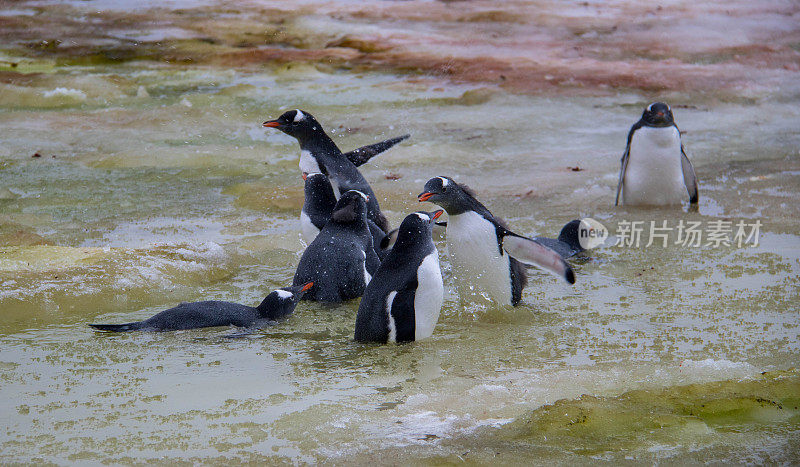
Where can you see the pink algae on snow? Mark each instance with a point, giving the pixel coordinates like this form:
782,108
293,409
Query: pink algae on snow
523,46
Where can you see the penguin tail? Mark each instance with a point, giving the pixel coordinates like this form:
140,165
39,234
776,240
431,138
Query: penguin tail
570,234
118,327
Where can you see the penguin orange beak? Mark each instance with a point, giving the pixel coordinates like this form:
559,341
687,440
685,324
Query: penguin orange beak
272,124
305,176
307,286
425,196
437,214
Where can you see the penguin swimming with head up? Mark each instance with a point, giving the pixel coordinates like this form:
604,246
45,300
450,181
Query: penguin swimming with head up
278,304
403,300
341,260
487,257
655,170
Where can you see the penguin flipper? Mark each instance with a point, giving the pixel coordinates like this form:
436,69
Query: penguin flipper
363,154
534,253
402,311
689,177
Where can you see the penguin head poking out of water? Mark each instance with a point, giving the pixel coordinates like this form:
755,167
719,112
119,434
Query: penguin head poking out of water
281,302
657,114
454,198
296,123
351,208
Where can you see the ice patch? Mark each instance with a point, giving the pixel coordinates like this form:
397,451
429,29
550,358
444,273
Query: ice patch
713,365
66,92
425,427
417,399
490,389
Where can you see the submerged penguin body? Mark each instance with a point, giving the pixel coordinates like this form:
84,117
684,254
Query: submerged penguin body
568,243
211,313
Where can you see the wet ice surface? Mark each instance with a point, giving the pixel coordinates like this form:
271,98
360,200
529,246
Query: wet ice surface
156,184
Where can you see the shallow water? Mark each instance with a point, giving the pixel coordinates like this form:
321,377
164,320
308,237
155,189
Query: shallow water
156,184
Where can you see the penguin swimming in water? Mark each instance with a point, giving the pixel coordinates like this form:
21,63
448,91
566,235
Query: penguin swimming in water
318,153
341,260
278,304
568,243
318,206
655,170
403,300
486,255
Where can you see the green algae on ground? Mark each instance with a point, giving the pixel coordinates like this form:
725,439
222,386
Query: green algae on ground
678,415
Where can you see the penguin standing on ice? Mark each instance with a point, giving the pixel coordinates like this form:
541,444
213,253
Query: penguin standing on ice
318,206
278,304
341,259
318,153
655,170
487,257
403,300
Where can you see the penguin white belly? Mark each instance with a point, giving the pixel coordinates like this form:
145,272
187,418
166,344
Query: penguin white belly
308,229
476,259
308,164
654,175
428,297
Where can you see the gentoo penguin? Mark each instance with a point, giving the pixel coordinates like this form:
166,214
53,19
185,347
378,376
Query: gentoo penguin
276,305
318,206
403,300
341,260
655,170
318,153
486,256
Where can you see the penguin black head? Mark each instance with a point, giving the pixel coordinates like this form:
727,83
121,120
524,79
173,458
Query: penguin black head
444,191
417,225
657,114
282,302
296,123
351,208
